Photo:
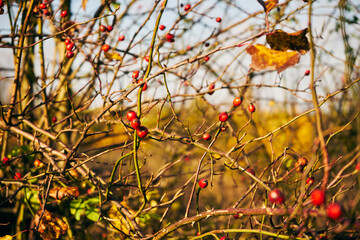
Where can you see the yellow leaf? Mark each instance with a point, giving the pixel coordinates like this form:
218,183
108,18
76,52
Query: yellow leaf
6,237
280,40
216,156
113,56
266,58
83,4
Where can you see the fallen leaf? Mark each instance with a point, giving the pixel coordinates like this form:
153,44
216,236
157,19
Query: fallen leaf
280,40
266,58
61,192
50,226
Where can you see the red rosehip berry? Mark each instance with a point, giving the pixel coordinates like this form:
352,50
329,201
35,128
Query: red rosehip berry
307,73
310,181
251,108
251,171
207,58
54,119
224,238
162,27
38,163
67,41
334,211
17,176
211,89
170,37
105,47
276,196
144,86
237,101
187,7
223,117
46,12
218,19
1,3
318,197
135,74
64,13
70,54
147,58
358,167
206,136
142,132
70,46
188,47
121,38
6,161
131,115
109,28
203,183
102,28
42,6
135,123
236,216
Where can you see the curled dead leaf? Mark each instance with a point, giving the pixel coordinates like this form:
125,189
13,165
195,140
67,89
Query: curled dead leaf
268,5
266,58
280,40
70,27
50,226
62,192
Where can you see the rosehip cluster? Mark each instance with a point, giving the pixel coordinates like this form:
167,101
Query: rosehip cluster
69,48
44,8
135,123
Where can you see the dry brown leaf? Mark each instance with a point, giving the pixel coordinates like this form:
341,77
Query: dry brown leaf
50,226
59,192
280,40
266,58
268,5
